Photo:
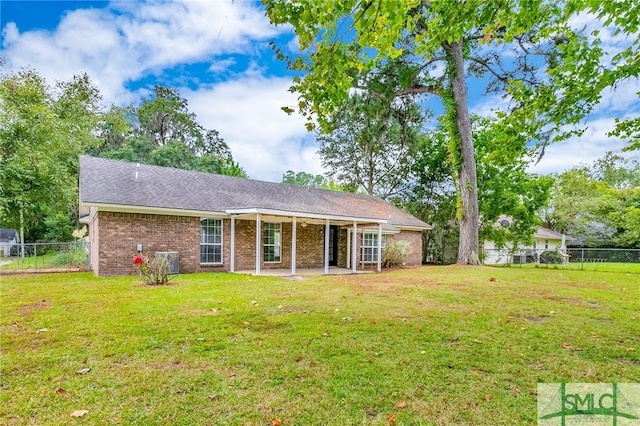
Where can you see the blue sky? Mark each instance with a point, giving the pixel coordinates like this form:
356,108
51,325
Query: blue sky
216,53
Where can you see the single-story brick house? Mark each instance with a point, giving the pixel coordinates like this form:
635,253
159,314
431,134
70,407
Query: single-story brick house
223,223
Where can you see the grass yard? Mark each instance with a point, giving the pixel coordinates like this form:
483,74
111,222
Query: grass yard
435,345
633,268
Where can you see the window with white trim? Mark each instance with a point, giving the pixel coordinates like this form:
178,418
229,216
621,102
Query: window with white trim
272,242
211,241
370,246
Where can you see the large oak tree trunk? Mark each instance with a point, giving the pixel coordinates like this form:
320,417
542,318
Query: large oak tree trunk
467,179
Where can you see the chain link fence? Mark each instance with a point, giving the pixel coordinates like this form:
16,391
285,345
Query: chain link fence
594,259
45,256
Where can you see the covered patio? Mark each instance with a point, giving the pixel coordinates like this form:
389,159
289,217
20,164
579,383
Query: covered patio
297,220
306,272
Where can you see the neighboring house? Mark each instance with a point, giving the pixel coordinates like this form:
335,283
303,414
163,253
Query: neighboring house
8,239
223,223
545,241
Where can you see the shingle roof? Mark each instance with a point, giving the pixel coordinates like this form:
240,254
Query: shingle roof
549,234
8,234
114,182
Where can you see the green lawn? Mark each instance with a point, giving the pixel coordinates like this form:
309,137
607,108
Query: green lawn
629,267
435,345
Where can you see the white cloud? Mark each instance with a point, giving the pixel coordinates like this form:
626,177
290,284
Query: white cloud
127,41
584,150
221,65
263,139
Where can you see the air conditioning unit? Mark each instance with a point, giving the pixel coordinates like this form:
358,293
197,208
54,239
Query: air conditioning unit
173,258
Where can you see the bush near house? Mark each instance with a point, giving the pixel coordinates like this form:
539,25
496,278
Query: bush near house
396,254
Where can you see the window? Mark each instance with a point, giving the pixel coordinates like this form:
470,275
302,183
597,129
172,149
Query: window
272,242
210,240
546,244
370,246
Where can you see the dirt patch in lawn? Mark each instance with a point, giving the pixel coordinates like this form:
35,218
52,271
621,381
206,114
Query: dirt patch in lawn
26,310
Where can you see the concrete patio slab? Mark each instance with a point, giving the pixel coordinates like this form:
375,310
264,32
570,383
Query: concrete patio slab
302,272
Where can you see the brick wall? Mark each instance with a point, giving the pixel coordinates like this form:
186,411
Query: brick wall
309,247
119,233
414,238
114,238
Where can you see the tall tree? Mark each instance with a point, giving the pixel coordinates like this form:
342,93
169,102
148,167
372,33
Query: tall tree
622,19
372,137
598,203
43,130
341,39
163,132
504,187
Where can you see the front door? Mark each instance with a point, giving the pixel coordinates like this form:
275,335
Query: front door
333,245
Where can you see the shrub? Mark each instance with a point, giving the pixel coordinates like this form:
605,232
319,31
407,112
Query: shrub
551,257
396,254
153,270
76,255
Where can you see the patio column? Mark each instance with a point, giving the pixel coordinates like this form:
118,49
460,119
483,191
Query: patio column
379,247
326,247
258,241
293,245
232,261
354,252
348,248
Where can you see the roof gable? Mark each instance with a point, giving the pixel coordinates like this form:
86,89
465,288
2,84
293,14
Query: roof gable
548,234
119,183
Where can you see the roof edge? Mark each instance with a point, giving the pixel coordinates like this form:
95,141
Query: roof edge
123,208
257,210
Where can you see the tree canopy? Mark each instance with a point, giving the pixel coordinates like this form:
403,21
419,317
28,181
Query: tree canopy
599,204
163,132
470,41
43,130
371,139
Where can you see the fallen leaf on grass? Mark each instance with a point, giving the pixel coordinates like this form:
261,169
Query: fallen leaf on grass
79,413
630,349
401,404
392,418
567,346
42,330
60,391
477,341
517,390
276,422
326,334
83,370
493,279
212,397
487,398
